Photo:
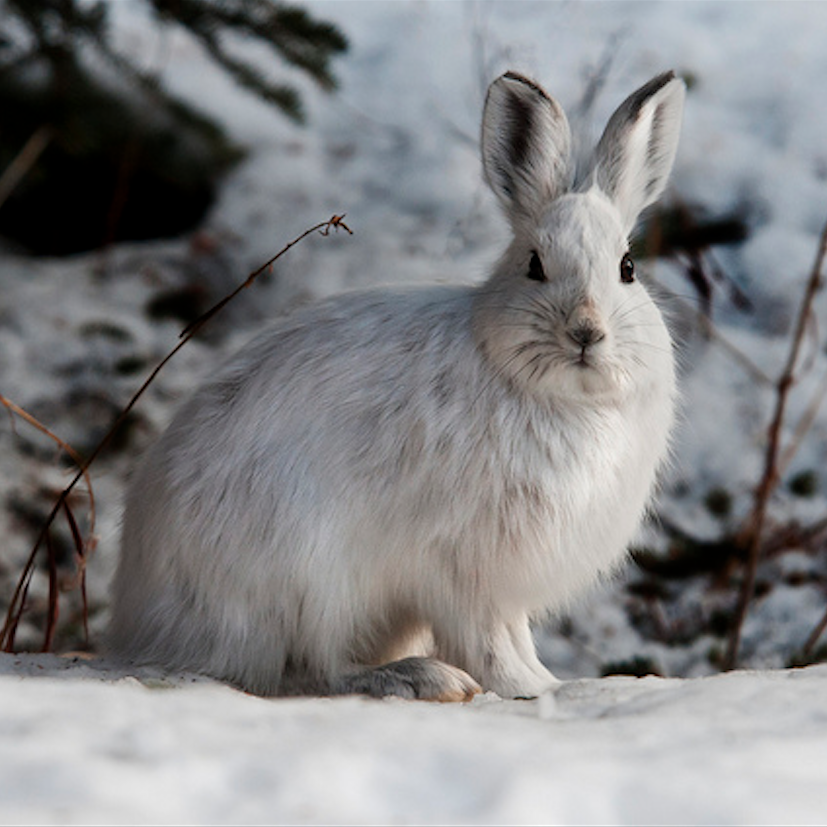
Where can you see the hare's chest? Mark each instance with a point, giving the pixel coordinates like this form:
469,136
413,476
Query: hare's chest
580,502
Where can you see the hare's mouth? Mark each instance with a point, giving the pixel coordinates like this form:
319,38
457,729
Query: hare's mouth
584,359
591,375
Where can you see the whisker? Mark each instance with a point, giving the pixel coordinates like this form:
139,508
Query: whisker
650,345
518,352
616,316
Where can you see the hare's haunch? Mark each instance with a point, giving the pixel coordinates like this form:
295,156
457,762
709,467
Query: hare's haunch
378,494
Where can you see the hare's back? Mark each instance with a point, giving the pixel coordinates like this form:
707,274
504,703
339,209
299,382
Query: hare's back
328,380
357,348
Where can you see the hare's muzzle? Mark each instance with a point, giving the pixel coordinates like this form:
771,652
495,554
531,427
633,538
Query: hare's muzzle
585,334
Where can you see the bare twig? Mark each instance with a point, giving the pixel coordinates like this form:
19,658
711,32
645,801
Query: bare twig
24,161
82,544
803,426
754,525
54,607
813,639
71,452
18,602
324,228
711,330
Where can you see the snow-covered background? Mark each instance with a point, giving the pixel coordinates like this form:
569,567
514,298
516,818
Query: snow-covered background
396,149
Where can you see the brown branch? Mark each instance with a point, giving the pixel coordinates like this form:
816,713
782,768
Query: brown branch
80,549
70,451
812,640
24,161
803,427
711,330
754,525
82,544
324,228
18,602
54,608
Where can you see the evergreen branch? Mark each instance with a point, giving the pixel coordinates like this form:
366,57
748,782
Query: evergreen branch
285,97
289,31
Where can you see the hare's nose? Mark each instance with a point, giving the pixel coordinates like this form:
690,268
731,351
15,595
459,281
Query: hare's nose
585,334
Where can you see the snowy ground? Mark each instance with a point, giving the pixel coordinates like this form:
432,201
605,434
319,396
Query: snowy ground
742,748
396,149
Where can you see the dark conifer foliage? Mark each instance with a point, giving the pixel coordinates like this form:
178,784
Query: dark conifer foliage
289,31
114,154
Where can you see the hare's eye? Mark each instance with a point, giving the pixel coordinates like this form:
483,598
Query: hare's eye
535,269
627,269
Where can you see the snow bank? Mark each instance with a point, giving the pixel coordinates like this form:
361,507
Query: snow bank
87,743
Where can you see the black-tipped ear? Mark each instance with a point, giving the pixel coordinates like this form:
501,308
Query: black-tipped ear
635,155
526,146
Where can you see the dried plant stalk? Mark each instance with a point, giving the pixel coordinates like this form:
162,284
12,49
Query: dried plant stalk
754,525
17,605
25,160
82,544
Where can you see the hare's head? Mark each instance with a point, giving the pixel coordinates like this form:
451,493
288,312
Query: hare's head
564,313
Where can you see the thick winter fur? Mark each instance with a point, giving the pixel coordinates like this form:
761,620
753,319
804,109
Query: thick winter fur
381,491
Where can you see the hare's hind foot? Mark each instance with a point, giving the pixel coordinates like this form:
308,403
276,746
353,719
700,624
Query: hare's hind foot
425,679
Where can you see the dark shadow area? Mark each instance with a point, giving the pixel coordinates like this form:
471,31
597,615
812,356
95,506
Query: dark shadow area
114,167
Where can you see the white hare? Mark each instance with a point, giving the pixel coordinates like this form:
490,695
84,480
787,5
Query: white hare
378,494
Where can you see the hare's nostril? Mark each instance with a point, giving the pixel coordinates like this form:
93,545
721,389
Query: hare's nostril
585,335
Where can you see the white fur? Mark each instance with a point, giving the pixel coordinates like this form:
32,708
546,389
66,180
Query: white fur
419,472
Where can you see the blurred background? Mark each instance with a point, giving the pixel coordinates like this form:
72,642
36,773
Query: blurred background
154,152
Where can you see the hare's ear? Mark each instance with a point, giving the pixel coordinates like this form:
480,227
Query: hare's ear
635,155
526,144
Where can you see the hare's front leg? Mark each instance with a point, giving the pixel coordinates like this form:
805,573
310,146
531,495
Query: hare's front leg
502,657
415,678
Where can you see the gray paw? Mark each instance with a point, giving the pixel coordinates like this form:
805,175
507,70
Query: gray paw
425,679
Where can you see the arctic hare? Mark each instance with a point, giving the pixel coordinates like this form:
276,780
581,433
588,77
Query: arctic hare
378,493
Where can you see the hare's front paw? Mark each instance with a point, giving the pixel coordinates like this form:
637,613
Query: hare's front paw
425,679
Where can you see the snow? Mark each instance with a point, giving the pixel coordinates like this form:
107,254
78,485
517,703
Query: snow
396,149
85,743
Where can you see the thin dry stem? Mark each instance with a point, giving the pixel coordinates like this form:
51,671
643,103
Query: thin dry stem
82,544
711,330
70,451
806,422
324,228
24,161
18,602
754,526
812,640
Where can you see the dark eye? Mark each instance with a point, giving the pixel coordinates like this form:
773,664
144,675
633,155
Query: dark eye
535,269
627,269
